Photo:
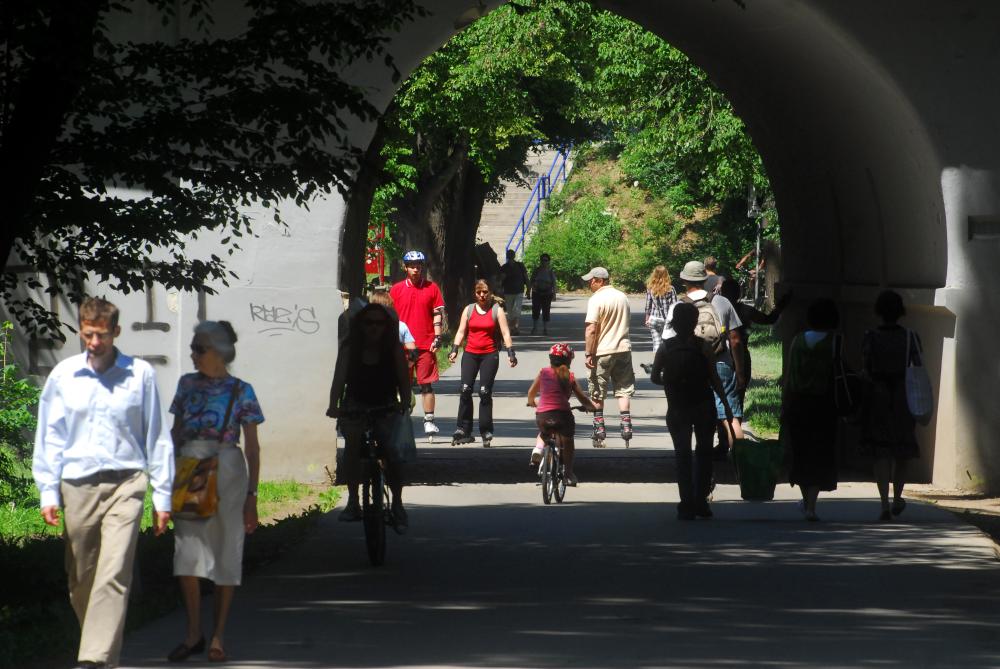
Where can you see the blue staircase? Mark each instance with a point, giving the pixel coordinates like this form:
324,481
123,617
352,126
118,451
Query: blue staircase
544,187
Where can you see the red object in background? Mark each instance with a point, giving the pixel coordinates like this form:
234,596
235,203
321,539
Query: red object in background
375,256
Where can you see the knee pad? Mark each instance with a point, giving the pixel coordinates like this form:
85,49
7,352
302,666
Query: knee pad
426,388
485,393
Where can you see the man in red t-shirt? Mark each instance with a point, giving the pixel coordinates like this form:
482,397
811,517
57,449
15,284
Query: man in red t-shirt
419,304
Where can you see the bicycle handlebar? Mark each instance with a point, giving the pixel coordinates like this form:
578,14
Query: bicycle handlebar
367,412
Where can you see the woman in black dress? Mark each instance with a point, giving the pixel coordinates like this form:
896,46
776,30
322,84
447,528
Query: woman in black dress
809,417
888,427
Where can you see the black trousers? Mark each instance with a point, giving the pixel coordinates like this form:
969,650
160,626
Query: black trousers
694,475
485,365
541,303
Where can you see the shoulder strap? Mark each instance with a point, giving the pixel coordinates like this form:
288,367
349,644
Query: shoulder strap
229,409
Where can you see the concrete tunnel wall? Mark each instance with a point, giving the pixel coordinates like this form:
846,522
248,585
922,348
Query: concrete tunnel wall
876,124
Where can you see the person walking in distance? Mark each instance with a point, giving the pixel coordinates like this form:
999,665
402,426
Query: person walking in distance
719,326
543,291
808,411
419,304
100,430
608,351
888,428
515,281
482,329
659,296
713,283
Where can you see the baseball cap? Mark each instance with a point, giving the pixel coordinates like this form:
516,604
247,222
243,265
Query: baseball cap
596,273
694,271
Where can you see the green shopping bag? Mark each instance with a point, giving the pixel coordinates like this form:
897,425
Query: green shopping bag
758,466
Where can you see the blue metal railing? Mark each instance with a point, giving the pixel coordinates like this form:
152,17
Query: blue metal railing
541,192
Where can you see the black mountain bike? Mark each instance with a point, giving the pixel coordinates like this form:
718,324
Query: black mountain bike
552,470
376,498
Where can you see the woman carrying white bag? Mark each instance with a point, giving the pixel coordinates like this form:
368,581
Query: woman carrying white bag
899,397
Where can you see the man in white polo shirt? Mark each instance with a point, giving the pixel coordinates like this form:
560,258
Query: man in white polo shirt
608,351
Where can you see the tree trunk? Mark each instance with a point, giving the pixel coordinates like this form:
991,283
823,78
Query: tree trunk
445,230
42,99
354,240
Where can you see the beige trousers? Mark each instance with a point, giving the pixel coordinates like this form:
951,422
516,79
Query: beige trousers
102,515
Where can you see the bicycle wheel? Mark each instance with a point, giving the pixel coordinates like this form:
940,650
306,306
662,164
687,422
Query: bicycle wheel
373,512
559,477
548,466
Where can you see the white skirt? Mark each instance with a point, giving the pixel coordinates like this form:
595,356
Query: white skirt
213,548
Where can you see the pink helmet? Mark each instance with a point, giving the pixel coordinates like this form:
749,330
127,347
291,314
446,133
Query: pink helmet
562,351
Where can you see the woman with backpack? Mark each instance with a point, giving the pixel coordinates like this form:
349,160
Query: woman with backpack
482,328
808,414
543,290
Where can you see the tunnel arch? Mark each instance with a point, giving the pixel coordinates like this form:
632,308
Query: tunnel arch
852,161
876,122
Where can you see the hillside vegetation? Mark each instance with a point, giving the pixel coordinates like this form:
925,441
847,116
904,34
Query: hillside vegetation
603,216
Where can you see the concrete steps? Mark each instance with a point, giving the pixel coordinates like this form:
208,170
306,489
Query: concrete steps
500,218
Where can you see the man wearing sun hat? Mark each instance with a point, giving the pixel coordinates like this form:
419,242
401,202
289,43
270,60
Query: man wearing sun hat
608,351
728,359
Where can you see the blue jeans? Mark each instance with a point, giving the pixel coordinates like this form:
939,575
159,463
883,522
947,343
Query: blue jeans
728,377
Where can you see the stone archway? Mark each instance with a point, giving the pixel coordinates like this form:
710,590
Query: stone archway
854,109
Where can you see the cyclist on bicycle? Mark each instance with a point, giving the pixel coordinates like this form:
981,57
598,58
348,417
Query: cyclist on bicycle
549,394
371,372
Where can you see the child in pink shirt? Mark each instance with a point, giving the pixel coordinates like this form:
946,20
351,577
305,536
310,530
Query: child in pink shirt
550,395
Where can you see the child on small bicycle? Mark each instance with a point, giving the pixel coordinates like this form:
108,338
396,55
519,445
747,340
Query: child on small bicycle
549,394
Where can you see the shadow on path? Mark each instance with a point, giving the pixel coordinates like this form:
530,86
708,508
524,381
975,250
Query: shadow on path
604,584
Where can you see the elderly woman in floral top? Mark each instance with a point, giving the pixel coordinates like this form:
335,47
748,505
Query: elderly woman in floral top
210,410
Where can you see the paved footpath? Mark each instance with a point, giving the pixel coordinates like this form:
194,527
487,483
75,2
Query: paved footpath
490,577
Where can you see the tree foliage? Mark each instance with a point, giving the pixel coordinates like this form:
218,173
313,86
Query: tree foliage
561,72
114,153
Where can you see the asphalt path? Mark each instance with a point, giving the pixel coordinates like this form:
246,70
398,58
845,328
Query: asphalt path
488,576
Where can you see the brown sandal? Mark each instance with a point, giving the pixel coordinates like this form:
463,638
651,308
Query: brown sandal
216,655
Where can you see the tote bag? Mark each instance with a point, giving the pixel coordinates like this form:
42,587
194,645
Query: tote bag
919,393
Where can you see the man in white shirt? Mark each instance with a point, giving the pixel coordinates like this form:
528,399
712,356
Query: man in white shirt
729,359
608,350
99,431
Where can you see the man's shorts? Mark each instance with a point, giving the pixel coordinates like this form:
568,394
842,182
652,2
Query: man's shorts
615,368
728,377
427,367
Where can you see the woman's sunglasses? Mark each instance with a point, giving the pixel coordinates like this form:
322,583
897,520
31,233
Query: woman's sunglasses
199,349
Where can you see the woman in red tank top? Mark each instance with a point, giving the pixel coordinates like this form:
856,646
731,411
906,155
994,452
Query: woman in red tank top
482,328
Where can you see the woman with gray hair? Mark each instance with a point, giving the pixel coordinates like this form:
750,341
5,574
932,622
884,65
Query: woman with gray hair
209,409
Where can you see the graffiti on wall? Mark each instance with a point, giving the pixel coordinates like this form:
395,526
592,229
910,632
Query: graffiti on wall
275,321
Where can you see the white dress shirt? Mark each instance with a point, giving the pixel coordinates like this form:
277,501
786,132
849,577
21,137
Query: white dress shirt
90,422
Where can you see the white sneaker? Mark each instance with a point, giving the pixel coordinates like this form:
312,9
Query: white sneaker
536,455
430,427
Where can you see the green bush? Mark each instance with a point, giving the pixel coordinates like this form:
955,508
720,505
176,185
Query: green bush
18,398
578,238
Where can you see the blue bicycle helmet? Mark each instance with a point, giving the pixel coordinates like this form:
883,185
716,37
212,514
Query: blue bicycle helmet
414,256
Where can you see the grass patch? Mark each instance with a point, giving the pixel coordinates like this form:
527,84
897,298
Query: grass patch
18,523
763,399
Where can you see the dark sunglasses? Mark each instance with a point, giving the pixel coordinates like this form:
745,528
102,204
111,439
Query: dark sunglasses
375,322
199,349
